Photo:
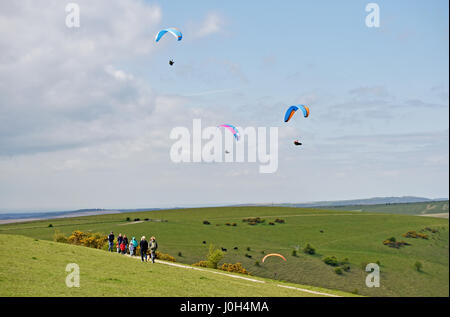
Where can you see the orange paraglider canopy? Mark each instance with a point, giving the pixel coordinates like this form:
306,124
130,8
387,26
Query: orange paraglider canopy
273,254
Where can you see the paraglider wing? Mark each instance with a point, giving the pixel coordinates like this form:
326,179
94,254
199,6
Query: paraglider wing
232,129
289,113
273,254
292,109
174,31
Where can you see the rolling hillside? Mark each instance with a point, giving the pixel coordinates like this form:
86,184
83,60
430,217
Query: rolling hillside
40,270
355,236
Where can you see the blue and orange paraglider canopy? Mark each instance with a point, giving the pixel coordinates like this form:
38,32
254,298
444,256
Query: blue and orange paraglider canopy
292,109
174,31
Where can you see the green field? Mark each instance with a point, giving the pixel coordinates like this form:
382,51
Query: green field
353,235
40,270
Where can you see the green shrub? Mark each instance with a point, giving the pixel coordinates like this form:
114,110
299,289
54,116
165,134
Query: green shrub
338,271
214,256
253,221
413,234
430,229
418,265
294,252
331,260
344,261
50,226
309,249
59,237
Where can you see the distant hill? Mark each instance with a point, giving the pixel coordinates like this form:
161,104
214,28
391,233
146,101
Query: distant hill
436,208
55,214
98,211
368,201
66,214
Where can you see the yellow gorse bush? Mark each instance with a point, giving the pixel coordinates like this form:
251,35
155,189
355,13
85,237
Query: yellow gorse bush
164,257
87,239
236,268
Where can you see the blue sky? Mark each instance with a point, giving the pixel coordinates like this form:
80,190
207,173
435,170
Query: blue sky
86,114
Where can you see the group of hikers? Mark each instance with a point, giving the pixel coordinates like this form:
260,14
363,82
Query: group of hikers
124,246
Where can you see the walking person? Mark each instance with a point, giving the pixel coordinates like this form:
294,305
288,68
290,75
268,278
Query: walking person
119,242
131,247
153,247
122,247
144,247
135,244
125,241
111,242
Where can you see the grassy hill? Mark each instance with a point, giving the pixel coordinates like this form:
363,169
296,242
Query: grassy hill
40,270
421,208
353,235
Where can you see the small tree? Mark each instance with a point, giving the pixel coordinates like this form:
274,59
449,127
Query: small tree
309,249
214,256
338,271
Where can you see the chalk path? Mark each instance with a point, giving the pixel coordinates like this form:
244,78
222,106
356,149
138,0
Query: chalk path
236,276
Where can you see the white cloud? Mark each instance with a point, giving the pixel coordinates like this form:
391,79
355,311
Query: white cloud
212,24
64,89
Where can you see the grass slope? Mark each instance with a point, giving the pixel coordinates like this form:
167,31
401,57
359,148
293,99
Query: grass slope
353,235
39,270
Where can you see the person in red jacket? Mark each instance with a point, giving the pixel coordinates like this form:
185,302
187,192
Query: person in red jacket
122,247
